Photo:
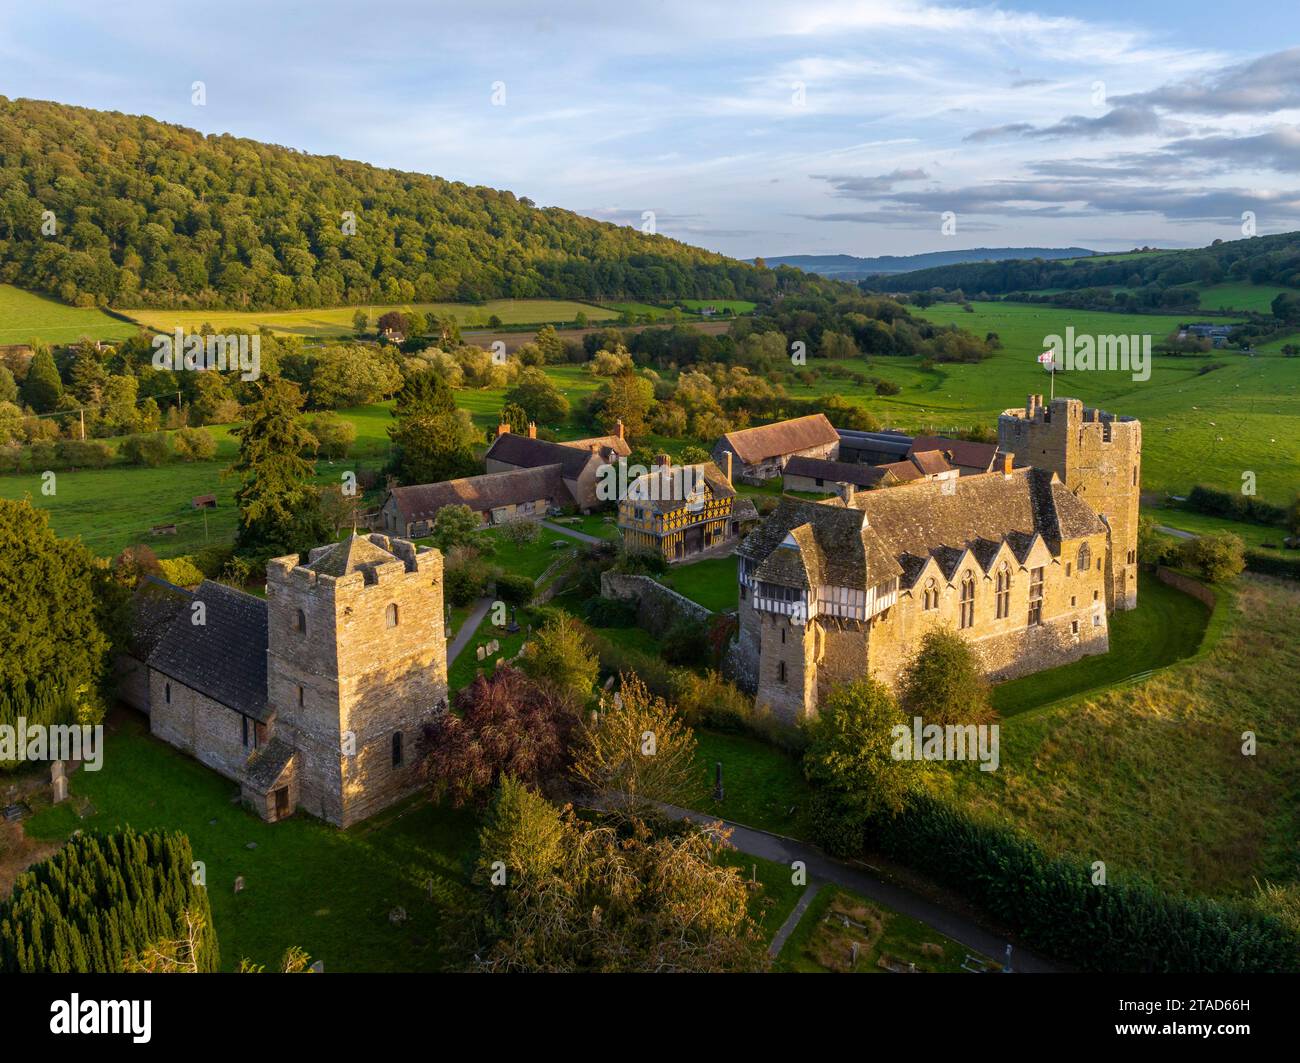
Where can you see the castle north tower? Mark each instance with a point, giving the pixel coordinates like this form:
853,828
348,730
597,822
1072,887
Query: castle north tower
1098,457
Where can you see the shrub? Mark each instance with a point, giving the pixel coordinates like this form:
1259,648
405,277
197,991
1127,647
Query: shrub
943,683
194,444
1217,557
88,453
152,449
609,612
212,559
560,655
466,579
181,571
514,589
1132,926
685,642
521,532
641,563
100,899
1272,565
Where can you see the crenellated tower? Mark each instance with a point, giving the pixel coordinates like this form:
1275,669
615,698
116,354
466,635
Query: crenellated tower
1098,456
356,666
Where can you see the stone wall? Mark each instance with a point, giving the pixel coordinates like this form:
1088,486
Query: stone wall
658,607
132,677
1187,585
209,731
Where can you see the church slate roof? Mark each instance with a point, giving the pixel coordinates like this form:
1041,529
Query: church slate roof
225,657
154,606
356,553
265,767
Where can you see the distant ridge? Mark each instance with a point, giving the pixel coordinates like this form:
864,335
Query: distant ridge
850,267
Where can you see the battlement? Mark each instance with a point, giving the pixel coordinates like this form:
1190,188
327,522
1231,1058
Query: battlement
353,565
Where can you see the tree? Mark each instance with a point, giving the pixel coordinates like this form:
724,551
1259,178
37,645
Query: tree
338,510
551,345
454,526
637,750
1218,556
560,655
515,416
432,440
279,508
352,375
943,682
850,762
42,387
56,642
104,903
559,894
334,435
628,398
194,444
505,725
152,449
540,399
360,321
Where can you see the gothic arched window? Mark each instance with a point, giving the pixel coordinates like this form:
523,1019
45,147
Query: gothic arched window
1085,557
968,600
391,614
930,596
1004,591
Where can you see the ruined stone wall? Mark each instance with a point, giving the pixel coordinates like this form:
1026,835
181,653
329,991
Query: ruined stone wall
658,607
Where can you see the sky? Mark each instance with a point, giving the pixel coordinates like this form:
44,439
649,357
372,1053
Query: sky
754,127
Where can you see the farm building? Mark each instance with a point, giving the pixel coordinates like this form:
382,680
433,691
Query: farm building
495,498
760,454
580,460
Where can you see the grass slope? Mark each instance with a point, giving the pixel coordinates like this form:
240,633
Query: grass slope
333,322
26,316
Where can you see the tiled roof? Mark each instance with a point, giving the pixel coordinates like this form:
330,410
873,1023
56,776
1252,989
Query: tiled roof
153,608
930,462
480,493
617,444
224,658
840,472
265,767
752,445
961,452
907,525
665,496
526,453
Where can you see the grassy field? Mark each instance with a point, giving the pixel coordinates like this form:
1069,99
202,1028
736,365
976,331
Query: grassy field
1259,536
822,944
1240,295
1197,427
306,883
762,787
1151,778
337,321
26,316
1167,626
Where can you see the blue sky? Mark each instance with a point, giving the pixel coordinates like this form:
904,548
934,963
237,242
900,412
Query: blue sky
751,127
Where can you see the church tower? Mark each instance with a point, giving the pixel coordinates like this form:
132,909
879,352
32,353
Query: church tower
356,666
1098,456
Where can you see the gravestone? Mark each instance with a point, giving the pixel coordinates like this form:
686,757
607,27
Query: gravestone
60,789
481,652
239,883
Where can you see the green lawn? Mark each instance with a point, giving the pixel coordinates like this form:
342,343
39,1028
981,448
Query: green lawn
1166,626
762,786
27,316
463,670
771,903
1256,535
337,321
711,583
821,943
1240,295
306,883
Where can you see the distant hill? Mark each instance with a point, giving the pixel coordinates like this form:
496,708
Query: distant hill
151,214
1255,260
850,267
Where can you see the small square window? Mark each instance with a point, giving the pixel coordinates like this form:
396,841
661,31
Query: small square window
1096,621
1074,627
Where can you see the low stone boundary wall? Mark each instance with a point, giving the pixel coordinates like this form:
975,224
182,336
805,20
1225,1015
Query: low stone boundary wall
657,606
1187,585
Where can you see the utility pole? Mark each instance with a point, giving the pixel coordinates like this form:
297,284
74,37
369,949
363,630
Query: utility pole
82,413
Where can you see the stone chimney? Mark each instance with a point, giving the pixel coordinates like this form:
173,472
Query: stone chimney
502,429
1008,462
663,461
728,470
850,491
618,427
532,430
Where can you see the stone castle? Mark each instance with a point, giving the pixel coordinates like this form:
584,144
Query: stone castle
315,698
1024,561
